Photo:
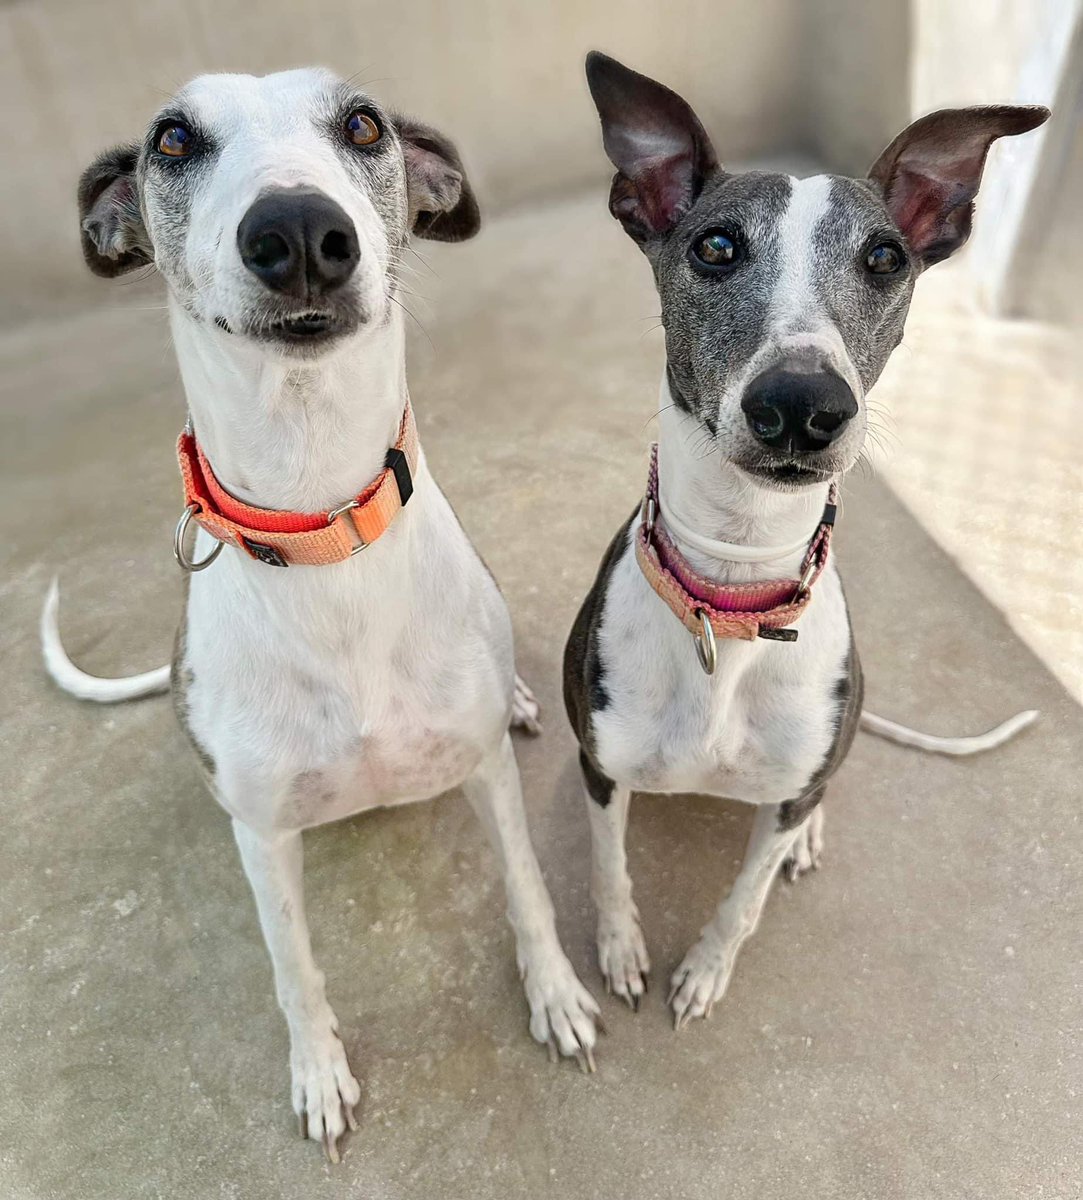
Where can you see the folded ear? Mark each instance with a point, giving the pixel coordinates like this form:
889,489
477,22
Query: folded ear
930,173
114,237
656,142
442,203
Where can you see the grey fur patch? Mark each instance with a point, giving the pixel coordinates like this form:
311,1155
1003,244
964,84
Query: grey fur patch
868,310
714,324
181,679
584,669
849,695
599,785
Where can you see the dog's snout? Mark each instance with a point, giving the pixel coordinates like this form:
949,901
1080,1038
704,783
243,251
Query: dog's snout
798,413
298,242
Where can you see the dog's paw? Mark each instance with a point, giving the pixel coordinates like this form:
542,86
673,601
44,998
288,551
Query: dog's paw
324,1091
700,981
807,849
622,956
563,1015
525,710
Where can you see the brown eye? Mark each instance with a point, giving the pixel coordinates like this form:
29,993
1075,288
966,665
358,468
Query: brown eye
176,141
362,130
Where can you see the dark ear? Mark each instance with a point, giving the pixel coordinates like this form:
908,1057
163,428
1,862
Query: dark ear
442,203
114,237
930,173
655,141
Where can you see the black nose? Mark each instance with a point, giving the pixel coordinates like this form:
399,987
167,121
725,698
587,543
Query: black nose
798,413
298,242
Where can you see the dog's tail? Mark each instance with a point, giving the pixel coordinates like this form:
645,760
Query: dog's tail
78,683
955,746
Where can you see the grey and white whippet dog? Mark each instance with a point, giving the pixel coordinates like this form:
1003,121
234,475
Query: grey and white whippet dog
782,300
278,210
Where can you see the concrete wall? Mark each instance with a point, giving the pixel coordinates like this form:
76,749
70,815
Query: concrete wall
1014,51
1043,279
855,79
503,77
826,80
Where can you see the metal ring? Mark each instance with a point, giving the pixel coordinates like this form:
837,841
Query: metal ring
335,513
706,648
178,543
806,578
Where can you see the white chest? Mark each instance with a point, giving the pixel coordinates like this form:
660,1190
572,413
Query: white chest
335,689
756,730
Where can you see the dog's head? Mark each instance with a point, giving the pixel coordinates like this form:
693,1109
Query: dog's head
276,208
782,299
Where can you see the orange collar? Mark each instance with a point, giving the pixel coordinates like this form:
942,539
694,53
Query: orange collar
710,610
283,539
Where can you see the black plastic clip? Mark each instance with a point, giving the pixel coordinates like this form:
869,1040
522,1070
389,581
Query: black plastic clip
397,463
265,554
778,635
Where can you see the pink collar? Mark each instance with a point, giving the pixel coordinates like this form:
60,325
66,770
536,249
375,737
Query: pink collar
710,610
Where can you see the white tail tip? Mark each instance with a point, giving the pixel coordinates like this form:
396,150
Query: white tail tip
67,676
957,747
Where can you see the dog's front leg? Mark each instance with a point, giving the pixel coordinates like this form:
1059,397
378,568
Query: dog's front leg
324,1090
701,979
622,953
562,1011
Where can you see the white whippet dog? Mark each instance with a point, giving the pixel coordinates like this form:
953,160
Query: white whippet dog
277,210
700,660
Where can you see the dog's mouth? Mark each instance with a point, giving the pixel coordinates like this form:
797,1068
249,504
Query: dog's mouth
786,474
303,332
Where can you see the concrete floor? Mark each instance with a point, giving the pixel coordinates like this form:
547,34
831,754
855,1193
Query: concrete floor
905,1024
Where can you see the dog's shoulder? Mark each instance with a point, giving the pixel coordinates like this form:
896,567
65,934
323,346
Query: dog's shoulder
848,695
584,672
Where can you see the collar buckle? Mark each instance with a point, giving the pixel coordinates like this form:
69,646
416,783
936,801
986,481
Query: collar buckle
334,515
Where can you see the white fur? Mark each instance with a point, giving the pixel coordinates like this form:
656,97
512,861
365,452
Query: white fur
798,324
79,683
320,692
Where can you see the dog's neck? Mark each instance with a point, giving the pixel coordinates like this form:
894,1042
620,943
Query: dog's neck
718,501
298,436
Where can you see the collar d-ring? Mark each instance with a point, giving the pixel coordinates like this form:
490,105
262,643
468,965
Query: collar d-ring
179,553
706,647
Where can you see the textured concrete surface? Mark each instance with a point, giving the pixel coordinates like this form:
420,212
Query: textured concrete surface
905,1024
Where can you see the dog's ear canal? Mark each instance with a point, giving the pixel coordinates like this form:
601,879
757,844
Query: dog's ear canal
442,202
654,139
931,172
114,238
